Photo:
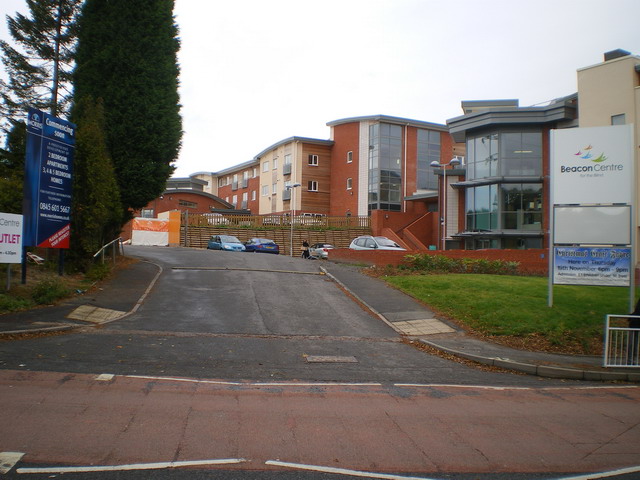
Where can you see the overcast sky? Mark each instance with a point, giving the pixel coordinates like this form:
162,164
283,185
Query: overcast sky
254,72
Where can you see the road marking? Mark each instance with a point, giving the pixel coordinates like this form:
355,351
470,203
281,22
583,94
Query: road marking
596,476
329,359
8,460
241,269
257,384
343,471
133,466
376,384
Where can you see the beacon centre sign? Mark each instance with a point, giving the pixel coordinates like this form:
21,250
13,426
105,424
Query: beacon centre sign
592,197
48,180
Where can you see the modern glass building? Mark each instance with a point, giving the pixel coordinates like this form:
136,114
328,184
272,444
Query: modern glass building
506,177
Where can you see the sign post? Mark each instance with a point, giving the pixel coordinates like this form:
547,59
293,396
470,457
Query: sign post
592,225
48,181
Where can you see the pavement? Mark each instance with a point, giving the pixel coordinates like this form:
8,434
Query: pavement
123,294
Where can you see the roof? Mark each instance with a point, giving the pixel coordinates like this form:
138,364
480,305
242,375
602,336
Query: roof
315,141
172,191
558,110
390,119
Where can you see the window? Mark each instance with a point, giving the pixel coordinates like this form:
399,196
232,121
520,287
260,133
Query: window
618,119
255,172
274,188
147,213
185,203
275,163
312,186
349,183
265,167
313,160
253,195
349,157
504,154
287,159
234,201
385,172
221,182
265,190
428,151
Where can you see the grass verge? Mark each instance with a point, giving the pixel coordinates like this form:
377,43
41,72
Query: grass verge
513,309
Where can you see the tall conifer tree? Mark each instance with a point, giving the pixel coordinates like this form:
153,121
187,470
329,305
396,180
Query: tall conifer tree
96,215
39,61
127,56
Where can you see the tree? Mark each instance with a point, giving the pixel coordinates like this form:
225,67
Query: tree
40,72
96,210
12,169
127,56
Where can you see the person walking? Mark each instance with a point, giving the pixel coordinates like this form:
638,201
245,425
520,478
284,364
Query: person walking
305,249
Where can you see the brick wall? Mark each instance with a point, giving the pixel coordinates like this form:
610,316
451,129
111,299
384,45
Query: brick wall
532,262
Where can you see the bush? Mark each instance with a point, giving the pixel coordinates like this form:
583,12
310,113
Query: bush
14,304
98,271
442,264
48,291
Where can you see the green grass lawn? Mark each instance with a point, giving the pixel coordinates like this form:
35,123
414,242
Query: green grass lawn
501,305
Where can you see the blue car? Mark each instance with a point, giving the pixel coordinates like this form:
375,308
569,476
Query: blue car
263,245
225,242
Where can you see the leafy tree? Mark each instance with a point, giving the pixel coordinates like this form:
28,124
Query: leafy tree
12,169
39,72
127,55
96,211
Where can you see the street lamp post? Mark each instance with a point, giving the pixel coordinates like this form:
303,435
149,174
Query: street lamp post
292,188
452,162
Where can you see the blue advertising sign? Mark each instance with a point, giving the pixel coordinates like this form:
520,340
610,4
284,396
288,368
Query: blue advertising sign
592,266
48,180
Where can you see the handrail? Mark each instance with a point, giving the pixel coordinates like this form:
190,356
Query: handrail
104,247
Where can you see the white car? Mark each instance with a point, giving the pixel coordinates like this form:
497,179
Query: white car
367,242
320,250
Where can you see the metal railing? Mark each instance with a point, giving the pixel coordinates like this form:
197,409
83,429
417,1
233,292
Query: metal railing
621,342
117,243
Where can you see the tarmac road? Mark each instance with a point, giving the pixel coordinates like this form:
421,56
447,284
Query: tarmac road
241,316
214,364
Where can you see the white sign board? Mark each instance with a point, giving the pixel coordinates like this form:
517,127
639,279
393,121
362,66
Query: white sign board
592,165
10,238
592,225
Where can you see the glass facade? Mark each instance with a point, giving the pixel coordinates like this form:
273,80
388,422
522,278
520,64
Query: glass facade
507,200
428,151
385,167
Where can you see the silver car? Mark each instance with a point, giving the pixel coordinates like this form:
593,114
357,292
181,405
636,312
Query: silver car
320,250
367,242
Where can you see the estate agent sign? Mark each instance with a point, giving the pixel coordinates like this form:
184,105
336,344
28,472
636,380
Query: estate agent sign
48,179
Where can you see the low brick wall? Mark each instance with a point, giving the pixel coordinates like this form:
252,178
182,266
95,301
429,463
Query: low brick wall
532,262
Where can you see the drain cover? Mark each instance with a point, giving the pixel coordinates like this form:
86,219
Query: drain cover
330,359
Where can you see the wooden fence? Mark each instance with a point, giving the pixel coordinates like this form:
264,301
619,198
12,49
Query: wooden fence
262,221
195,230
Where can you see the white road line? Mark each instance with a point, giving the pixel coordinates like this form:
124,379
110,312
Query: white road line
257,384
134,466
8,460
353,473
377,384
596,476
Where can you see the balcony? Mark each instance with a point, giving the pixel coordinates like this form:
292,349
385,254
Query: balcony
286,169
286,194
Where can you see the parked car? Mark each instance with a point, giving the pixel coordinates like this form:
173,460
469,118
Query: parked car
367,242
263,245
320,250
225,242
